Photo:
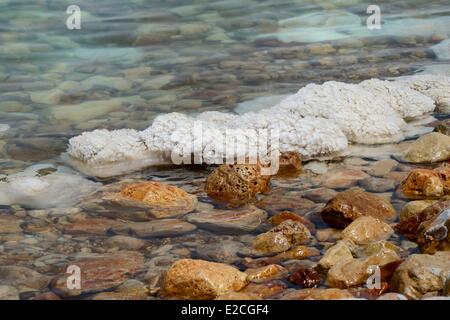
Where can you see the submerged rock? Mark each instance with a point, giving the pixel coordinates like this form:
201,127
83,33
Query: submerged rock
281,238
155,228
434,234
367,229
349,205
238,221
236,184
318,294
23,278
443,127
199,279
421,274
340,252
141,201
287,215
100,272
432,147
425,184
413,208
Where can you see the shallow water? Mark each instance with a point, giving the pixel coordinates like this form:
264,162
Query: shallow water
133,60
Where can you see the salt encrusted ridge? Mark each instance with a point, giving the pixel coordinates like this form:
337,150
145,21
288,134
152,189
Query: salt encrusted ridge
436,87
317,120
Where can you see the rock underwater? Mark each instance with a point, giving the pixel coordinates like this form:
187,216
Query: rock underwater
318,120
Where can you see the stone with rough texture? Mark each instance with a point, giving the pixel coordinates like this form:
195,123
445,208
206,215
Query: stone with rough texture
287,215
270,272
444,127
236,184
367,229
349,205
434,234
23,278
423,184
100,272
342,178
155,228
382,167
320,195
8,293
142,201
413,208
421,274
318,294
238,221
340,252
199,279
433,147
281,238
290,164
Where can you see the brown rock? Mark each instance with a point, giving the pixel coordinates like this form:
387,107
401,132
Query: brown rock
281,238
265,289
382,167
141,201
155,228
100,272
199,279
298,253
340,252
237,221
409,227
125,243
10,224
367,229
270,272
23,278
342,178
434,234
290,164
349,205
413,208
432,147
287,215
89,226
236,184
320,195
443,127
306,277
328,235
129,290
370,294
238,296
282,201
421,274
318,294
422,184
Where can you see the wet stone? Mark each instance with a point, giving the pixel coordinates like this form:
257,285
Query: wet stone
377,185
155,229
234,221
22,278
349,205
100,272
341,179
320,195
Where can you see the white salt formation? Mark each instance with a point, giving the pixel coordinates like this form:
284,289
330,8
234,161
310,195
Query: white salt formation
318,120
58,189
437,87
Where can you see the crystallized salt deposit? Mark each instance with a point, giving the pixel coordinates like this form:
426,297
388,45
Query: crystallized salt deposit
318,120
31,189
436,87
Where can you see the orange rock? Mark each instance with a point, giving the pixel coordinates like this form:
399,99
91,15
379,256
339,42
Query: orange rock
287,215
270,272
422,184
281,238
297,253
349,205
236,183
318,294
434,234
265,289
290,164
100,272
199,279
